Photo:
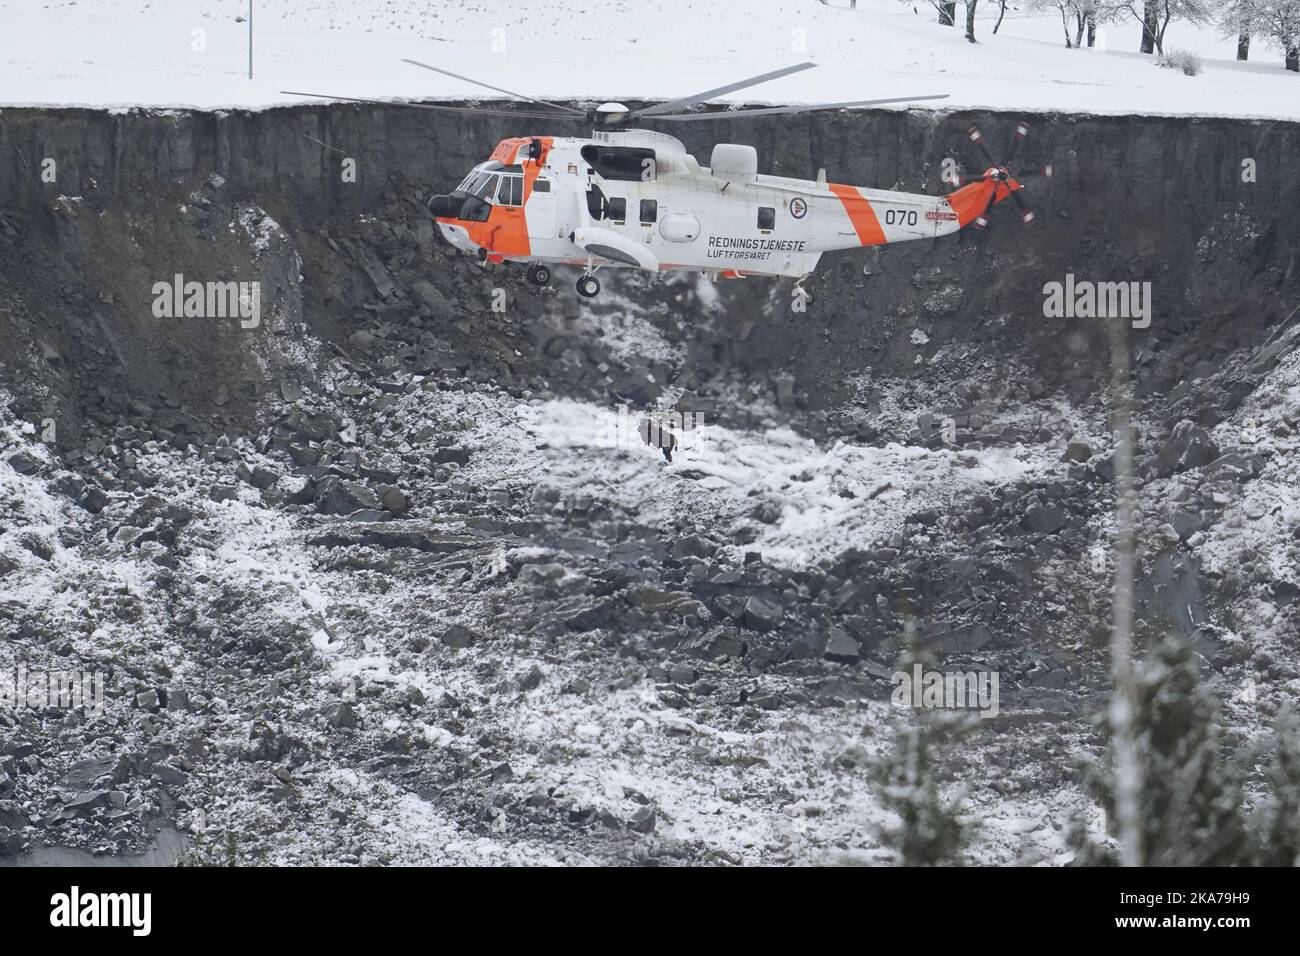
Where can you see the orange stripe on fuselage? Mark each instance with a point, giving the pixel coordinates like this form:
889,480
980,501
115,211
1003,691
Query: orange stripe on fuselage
863,217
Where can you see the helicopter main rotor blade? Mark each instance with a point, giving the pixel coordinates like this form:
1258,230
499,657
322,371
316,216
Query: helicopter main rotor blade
781,110
685,101
431,106
496,89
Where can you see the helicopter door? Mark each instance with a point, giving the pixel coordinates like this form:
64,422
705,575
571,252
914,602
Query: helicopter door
541,211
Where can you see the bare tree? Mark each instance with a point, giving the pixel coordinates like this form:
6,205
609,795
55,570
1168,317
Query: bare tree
1276,20
1067,10
1156,16
970,20
1079,18
1148,19
1002,12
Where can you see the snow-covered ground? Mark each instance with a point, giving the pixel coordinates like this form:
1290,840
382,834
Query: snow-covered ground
195,53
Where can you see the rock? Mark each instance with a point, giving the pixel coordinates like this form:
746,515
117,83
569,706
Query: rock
85,774
1077,451
693,546
335,496
1189,446
541,574
303,454
296,489
762,614
444,456
427,294
1234,467
170,775
655,601
95,500
531,680
1044,519
24,462
263,478
87,801
340,715
458,635
681,674
643,821
724,644
1187,523
148,700
223,493
1044,675
393,500
70,486
842,647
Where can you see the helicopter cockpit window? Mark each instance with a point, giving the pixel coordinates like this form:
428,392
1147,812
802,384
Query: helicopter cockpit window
475,209
628,164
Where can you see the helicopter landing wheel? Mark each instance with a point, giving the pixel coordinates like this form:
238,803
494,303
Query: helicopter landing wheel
588,287
538,274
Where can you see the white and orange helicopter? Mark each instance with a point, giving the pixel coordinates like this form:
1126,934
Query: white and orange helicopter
634,198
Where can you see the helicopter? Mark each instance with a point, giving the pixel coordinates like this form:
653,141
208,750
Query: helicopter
633,198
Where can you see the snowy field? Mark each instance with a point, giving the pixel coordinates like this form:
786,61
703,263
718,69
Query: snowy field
195,53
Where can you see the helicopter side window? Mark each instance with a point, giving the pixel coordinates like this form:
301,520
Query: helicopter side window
649,211
596,202
542,186
627,164
511,192
616,209
766,218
